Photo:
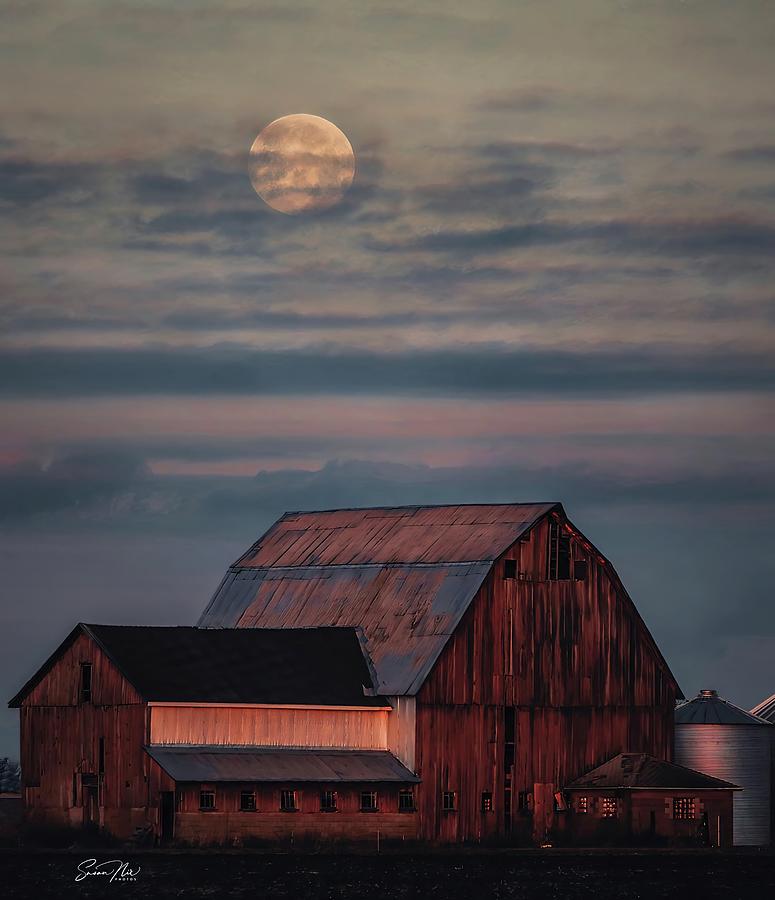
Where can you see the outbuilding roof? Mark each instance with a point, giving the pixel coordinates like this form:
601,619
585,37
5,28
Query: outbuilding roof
291,766
405,574
306,666
707,708
639,771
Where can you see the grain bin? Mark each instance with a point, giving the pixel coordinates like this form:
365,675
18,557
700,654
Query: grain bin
720,739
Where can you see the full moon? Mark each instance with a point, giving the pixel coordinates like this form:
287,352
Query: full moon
301,163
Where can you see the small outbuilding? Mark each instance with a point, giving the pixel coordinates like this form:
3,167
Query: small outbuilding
636,798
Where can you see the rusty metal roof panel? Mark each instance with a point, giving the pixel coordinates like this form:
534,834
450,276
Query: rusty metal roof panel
406,612
405,575
383,535
291,766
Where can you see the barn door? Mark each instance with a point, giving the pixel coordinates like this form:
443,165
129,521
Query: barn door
91,799
166,816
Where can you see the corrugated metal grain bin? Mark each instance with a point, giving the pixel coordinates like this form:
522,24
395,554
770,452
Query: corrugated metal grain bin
720,739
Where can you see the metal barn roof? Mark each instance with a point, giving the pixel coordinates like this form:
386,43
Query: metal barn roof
639,771
406,575
310,666
707,708
393,535
209,763
765,709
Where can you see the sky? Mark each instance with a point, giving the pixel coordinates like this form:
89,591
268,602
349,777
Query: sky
552,279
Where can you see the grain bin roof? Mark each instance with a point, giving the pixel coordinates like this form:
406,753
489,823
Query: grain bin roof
217,764
707,708
309,666
639,771
405,574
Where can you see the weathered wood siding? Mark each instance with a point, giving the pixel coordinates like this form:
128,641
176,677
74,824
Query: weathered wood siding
60,742
227,824
270,727
574,662
402,730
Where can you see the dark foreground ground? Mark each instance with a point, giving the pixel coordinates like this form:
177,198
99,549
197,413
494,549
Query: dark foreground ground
468,876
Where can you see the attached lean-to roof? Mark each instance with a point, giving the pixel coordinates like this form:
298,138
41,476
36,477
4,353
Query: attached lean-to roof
246,764
297,666
406,575
639,771
707,708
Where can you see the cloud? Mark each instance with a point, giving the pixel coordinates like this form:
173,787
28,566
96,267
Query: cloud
694,237
25,182
764,153
68,483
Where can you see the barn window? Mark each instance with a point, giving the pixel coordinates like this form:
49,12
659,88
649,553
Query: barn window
449,801
369,801
523,800
684,808
559,553
84,693
580,569
582,805
288,801
509,569
406,800
486,801
101,757
328,801
206,800
608,807
247,801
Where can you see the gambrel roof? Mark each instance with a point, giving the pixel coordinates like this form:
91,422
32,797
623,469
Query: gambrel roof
406,575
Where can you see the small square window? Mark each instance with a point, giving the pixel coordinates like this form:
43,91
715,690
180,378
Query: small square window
684,808
486,801
608,807
406,800
369,801
523,800
509,569
328,801
247,801
582,805
206,800
449,801
288,801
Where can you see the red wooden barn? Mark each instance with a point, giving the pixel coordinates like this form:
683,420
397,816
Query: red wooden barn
492,658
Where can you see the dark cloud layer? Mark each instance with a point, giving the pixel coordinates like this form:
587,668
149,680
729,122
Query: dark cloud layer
494,370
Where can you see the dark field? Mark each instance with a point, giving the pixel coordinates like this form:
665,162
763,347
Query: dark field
468,876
